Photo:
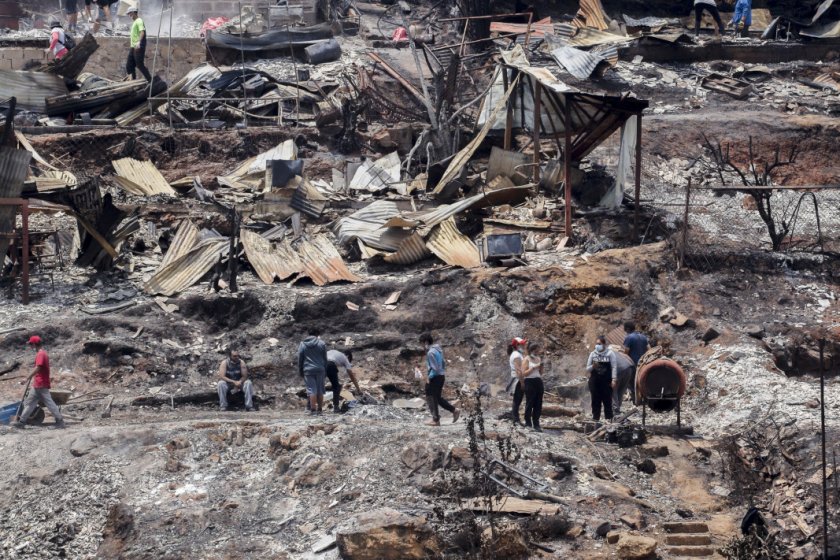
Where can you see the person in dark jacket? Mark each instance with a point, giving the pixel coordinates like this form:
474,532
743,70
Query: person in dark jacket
635,346
532,370
602,366
434,384
312,366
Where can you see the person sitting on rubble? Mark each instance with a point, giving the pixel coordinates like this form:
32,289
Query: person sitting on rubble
335,360
137,47
602,366
40,390
626,376
57,41
312,366
436,377
711,7
742,15
516,350
233,377
635,346
532,369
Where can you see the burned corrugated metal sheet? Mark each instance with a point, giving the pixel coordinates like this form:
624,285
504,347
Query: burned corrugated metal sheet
14,165
378,175
412,249
591,14
140,177
453,247
32,89
182,87
270,260
322,263
308,200
367,224
185,239
185,271
578,63
251,173
828,30
270,40
538,28
827,80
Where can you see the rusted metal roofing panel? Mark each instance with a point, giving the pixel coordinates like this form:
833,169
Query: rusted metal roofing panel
31,88
185,271
538,28
140,177
14,165
270,260
453,247
185,239
586,36
591,14
412,249
322,263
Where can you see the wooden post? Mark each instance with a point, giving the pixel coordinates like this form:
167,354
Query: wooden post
537,126
24,214
567,163
638,174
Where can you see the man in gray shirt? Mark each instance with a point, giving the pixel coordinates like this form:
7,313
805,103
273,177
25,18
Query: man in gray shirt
335,360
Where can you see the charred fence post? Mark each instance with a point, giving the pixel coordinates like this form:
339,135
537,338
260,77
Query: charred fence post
822,434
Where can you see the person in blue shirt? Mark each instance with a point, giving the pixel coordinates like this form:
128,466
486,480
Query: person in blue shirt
743,14
436,365
635,346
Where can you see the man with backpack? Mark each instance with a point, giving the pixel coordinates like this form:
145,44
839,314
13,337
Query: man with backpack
58,41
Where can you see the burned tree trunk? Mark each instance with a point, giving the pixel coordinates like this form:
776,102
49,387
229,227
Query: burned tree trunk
74,61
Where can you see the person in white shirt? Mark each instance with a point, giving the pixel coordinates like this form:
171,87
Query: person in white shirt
57,40
516,350
532,369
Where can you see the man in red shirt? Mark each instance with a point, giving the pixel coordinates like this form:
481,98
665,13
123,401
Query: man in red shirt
40,390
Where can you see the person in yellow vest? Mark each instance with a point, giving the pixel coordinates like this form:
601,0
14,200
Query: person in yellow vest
137,47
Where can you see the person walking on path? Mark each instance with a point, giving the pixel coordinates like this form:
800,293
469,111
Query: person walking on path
137,47
40,390
436,377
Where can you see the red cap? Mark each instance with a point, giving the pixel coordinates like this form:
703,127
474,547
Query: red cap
34,339
518,341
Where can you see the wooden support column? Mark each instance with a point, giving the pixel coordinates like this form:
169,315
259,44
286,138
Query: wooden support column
508,112
638,175
537,126
567,163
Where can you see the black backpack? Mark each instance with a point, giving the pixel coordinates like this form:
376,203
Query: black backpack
69,42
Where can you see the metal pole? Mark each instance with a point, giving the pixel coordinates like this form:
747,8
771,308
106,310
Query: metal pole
508,112
24,213
822,430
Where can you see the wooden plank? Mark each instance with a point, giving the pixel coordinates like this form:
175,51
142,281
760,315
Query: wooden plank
510,504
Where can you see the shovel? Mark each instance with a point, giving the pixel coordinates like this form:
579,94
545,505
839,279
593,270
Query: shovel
16,417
